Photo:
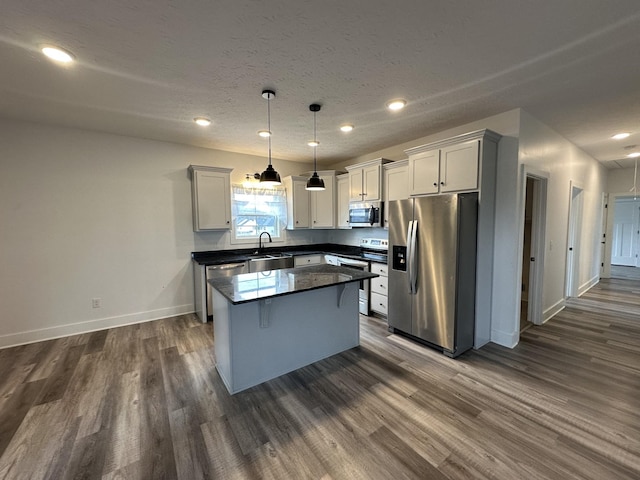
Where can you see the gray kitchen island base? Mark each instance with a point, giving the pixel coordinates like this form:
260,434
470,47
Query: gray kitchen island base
260,340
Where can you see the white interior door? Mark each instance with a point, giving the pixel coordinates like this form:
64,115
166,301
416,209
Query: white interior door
573,242
538,234
625,232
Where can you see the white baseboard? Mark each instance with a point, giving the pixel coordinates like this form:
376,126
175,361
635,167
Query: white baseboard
506,339
553,310
480,342
587,286
49,333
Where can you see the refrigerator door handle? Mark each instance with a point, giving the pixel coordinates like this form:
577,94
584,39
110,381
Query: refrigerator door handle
414,258
408,259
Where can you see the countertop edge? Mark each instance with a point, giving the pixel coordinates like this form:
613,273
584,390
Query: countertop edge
219,257
356,276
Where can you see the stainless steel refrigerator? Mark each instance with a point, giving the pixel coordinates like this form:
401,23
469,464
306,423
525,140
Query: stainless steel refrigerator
432,274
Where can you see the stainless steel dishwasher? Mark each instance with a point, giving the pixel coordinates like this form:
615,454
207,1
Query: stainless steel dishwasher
224,270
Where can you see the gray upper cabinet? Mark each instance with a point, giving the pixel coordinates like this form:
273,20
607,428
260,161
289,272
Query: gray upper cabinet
211,198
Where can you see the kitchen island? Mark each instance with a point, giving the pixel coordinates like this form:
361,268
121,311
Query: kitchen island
270,323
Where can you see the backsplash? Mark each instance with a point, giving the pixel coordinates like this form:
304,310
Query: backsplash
355,235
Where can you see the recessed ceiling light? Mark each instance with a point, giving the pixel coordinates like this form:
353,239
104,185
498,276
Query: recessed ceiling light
346,128
57,54
264,133
620,136
634,155
397,104
202,121
313,143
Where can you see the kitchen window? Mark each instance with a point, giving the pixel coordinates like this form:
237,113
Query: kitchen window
256,210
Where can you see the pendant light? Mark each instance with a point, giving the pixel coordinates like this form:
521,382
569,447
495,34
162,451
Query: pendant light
315,183
269,177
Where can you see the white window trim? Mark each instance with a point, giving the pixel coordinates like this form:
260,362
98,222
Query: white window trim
233,240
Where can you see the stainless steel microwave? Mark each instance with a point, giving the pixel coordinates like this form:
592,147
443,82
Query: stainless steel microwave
367,214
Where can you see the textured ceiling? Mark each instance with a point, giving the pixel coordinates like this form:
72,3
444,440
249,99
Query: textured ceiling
146,68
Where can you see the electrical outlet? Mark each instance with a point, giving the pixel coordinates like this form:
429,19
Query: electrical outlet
96,302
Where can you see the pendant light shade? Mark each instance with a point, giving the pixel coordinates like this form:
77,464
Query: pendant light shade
315,183
269,176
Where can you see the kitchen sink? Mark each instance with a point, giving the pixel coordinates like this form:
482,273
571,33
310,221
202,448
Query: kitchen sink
275,261
262,256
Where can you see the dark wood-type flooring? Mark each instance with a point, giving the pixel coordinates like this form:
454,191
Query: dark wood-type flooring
145,402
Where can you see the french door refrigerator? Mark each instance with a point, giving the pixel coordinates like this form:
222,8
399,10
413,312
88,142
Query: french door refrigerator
432,274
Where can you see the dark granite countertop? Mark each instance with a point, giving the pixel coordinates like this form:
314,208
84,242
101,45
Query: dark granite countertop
218,257
248,287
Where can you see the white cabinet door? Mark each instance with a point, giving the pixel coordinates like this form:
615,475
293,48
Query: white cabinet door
343,201
379,303
424,173
395,186
323,205
211,198
371,183
459,167
298,203
305,260
355,185
379,288
450,169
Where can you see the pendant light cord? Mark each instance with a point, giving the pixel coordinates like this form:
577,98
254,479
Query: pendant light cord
315,140
269,124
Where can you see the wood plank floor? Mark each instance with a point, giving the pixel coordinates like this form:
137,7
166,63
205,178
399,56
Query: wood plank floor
145,402
620,271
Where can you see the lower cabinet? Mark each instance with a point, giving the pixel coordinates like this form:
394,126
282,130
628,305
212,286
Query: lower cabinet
305,260
379,288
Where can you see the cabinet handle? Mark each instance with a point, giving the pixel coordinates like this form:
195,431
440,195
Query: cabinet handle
441,183
227,222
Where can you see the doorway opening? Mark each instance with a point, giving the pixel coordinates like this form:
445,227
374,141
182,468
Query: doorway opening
625,241
572,276
535,207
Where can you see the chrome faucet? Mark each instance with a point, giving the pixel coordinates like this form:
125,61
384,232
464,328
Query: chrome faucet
260,240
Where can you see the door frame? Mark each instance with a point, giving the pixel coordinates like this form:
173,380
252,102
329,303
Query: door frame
605,267
574,230
538,238
610,220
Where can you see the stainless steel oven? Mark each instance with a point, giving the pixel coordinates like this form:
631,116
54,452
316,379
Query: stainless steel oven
363,293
